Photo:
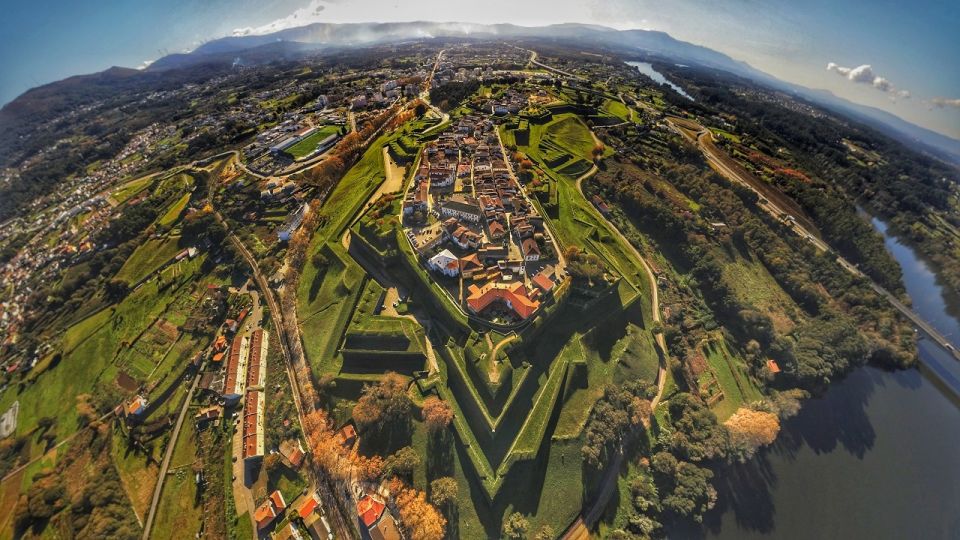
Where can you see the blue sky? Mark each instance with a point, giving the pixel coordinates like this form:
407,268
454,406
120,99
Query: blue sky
910,47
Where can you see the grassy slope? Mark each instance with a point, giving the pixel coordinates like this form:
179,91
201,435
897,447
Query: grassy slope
149,256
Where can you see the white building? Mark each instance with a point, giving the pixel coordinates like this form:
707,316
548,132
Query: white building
445,262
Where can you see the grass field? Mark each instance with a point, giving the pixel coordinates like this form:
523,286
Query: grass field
137,474
172,215
308,145
326,305
89,350
731,374
178,513
618,109
147,258
131,188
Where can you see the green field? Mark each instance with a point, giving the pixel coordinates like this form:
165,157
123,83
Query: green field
131,188
172,215
618,109
147,258
309,144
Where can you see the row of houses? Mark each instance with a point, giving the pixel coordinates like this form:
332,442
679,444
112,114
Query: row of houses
255,402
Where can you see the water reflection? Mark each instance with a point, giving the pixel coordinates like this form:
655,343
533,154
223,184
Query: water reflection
647,69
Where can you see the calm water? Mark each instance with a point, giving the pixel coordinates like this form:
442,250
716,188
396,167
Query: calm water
647,69
877,456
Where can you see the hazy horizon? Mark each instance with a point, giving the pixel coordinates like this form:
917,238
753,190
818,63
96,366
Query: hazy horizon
855,50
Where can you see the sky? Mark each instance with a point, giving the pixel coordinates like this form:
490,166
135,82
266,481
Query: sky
898,56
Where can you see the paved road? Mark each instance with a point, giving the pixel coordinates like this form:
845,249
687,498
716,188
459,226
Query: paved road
168,454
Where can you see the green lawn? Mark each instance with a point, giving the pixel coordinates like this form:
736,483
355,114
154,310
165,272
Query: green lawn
131,188
308,145
732,376
172,215
617,108
148,257
89,349
179,513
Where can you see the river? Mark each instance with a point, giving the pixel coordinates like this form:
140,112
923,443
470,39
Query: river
647,69
875,457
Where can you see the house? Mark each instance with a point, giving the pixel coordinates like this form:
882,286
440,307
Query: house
257,358
208,414
496,230
137,406
773,366
512,295
377,519
601,205
269,510
236,369
317,527
292,453
289,532
346,437
464,238
253,413
530,249
542,282
445,262
292,223
470,264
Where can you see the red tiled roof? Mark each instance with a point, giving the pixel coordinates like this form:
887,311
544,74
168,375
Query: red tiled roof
773,366
369,510
514,293
253,359
542,281
250,425
264,514
233,366
308,507
277,499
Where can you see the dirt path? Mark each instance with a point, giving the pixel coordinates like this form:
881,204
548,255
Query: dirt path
494,374
609,482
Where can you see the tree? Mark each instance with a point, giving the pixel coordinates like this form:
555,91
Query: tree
598,150
437,413
403,462
545,533
419,519
516,526
749,430
697,436
384,403
691,493
443,492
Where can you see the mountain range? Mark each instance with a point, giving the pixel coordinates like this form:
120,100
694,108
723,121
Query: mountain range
293,42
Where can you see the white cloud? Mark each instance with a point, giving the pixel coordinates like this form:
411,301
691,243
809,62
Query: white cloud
864,74
941,102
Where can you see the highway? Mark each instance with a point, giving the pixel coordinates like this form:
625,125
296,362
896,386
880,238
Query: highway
718,161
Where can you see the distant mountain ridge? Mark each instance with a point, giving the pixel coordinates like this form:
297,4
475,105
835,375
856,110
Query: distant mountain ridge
292,42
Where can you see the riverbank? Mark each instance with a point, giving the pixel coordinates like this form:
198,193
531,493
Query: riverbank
874,457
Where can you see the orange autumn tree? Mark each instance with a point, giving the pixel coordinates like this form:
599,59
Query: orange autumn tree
749,430
320,439
419,519
437,413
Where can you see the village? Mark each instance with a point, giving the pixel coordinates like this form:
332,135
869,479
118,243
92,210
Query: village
468,217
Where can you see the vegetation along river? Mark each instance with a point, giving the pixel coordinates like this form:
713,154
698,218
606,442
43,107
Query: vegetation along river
877,456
